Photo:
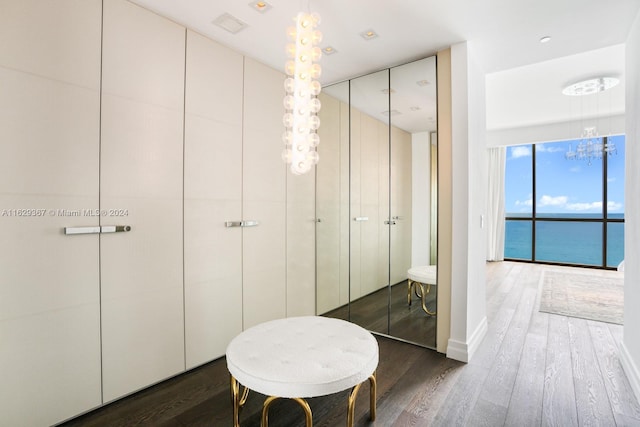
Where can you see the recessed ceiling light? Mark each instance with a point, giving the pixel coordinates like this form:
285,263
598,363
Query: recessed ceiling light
387,91
390,113
260,6
422,82
230,23
587,87
369,34
328,50
545,39
416,108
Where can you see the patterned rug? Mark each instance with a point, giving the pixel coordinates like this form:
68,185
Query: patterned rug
583,295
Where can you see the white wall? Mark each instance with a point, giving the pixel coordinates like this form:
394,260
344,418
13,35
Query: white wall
420,191
548,132
468,321
630,348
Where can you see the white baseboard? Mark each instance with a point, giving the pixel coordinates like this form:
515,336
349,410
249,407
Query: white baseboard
631,369
464,351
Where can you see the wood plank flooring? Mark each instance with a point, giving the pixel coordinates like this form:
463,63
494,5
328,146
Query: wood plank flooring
532,369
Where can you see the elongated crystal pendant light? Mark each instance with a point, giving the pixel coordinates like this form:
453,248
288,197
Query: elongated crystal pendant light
302,88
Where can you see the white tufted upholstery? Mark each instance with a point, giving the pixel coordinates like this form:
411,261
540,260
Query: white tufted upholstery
423,274
302,356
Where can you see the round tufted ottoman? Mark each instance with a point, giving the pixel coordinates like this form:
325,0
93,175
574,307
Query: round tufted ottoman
302,357
419,277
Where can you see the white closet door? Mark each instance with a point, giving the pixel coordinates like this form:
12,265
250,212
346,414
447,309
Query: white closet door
264,196
328,206
369,205
400,204
301,260
383,206
357,215
213,195
345,194
49,143
141,186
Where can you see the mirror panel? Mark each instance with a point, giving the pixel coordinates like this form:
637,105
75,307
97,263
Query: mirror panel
377,200
369,140
413,98
332,204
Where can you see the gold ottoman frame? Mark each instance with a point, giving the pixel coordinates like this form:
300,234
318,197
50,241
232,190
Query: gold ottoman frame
238,399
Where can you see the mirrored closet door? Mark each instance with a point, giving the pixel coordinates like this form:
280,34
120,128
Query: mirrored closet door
376,202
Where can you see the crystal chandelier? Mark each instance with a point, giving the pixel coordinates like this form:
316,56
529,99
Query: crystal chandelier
591,146
302,88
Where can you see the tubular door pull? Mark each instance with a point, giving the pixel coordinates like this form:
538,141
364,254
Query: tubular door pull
250,223
82,230
361,218
115,228
97,229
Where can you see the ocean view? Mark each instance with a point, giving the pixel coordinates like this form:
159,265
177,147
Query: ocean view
565,241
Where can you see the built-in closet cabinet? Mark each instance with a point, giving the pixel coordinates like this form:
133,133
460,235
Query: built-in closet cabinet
112,115
49,163
213,155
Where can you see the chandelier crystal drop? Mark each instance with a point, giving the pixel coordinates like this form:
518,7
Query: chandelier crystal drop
301,119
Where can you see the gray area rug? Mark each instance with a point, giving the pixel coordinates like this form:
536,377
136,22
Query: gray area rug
582,295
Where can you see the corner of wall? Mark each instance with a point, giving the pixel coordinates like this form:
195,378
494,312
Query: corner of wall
630,368
464,351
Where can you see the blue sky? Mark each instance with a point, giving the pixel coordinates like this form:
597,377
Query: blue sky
563,186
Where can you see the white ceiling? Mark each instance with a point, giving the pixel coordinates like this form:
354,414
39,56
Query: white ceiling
532,95
504,33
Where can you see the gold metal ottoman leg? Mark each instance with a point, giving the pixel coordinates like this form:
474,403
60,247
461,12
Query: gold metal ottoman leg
424,304
372,401
237,400
301,402
373,384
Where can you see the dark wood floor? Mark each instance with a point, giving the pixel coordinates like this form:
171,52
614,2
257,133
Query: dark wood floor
532,369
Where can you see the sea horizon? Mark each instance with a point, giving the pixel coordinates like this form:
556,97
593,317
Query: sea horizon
570,242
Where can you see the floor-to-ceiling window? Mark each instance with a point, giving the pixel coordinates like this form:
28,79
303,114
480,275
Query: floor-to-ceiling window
566,209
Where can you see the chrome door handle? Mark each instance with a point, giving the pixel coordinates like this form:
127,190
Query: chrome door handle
82,230
97,229
361,218
390,223
115,228
250,223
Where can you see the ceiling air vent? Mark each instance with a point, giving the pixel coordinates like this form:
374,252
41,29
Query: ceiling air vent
230,23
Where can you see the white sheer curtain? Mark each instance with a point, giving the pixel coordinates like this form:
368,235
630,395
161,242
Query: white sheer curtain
495,200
